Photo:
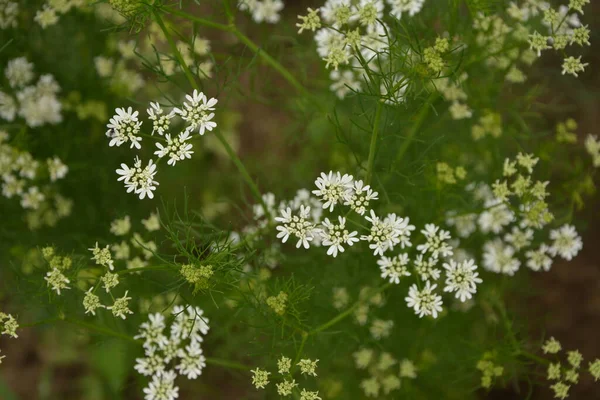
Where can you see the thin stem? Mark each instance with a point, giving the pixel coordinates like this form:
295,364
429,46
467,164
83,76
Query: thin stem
372,147
143,269
99,329
533,357
349,311
232,155
249,43
300,349
226,364
415,127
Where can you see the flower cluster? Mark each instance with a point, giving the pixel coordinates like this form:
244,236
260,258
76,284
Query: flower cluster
350,34
288,385
382,369
32,182
565,375
9,12
262,10
177,353
49,14
8,326
125,127
37,103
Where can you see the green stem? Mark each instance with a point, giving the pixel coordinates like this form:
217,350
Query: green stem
373,146
349,311
99,329
143,269
236,160
249,43
226,363
533,357
415,127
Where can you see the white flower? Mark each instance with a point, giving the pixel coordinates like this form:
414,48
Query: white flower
267,11
123,127
495,217
384,235
152,363
332,9
189,323
152,223
344,82
296,225
162,387
139,180
566,242
436,241
192,360
104,66
518,238
32,198
120,307
8,107
367,12
358,199
46,16
160,120
465,223
57,169
426,268
19,72
196,112
394,268
9,12
120,227
333,188
539,259
57,280
334,235
499,257
152,331
462,278
177,149
399,7
424,301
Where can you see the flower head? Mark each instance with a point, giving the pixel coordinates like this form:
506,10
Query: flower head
424,301
197,112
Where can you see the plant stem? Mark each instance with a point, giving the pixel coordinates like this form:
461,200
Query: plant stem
415,127
249,43
226,363
373,146
99,329
349,311
143,269
232,155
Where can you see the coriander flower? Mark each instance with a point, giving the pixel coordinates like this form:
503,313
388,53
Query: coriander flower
394,268
19,72
387,233
310,22
426,268
538,43
120,307
286,387
551,346
91,302
120,227
296,225
137,179
177,149
192,361
308,366
334,235
56,168
57,280
152,363
495,217
561,390
436,241
260,379
162,387
567,243
594,369
9,325
424,301
151,331
462,279
46,16
124,126
499,257
102,256
360,196
189,323
519,238
160,120
32,199
283,365
573,66
333,188
539,259
197,112
307,395
399,7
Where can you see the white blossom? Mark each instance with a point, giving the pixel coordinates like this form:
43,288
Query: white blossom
334,235
393,268
333,188
124,127
197,112
137,179
436,241
462,278
566,242
424,301
297,226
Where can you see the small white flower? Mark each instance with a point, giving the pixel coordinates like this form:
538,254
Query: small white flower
162,387
499,257
160,120
123,127
152,363
462,279
424,301
139,180
192,361
152,331
189,323
32,199
56,280
333,188
19,72
400,7
393,268
436,241
197,112
426,268
566,242
334,235
539,259
519,238
384,235
496,216
177,149
296,225
359,198
57,169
